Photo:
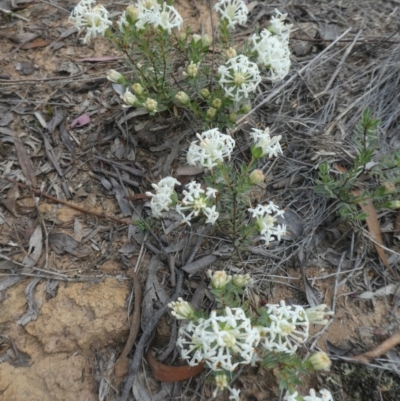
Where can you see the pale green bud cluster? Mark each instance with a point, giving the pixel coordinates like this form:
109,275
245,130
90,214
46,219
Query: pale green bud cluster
192,70
182,98
219,279
319,361
181,309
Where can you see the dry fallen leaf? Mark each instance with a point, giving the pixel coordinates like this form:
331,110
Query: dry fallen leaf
35,248
24,161
374,227
61,243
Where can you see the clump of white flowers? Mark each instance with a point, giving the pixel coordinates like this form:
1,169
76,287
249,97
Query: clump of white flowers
94,17
233,12
165,195
266,216
239,77
212,149
272,47
232,336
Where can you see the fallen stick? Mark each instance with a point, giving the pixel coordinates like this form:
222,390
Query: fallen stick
381,349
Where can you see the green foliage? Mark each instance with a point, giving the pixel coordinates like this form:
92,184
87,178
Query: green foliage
286,368
379,180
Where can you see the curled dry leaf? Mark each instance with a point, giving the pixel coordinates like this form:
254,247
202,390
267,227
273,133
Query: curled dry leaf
61,243
166,373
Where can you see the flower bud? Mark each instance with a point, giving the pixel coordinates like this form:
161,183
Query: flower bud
151,105
137,89
256,176
394,205
181,309
196,38
211,113
219,279
241,280
115,76
130,99
319,361
132,14
232,118
230,53
221,383
206,40
192,70
217,103
182,36
182,98
245,109
316,315
389,187
205,93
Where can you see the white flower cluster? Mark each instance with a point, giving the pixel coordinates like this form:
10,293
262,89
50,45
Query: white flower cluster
212,149
94,17
272,47
239,77
221,383
153,13
232,11
195,201
163,198
325,396
266,217
288,326
220,340
270,146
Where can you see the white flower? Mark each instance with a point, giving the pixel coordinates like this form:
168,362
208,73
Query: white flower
239,77
278,27
290,397
211,214
316,314
326,395
181,309
162,199
168,18
196,202
94,19
221,341
266,221
123,22
232,11
212,149
270,146
287,326
273,53
313,396
211,193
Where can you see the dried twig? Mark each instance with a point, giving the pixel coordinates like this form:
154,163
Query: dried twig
145,338
122,363
381,349
71,205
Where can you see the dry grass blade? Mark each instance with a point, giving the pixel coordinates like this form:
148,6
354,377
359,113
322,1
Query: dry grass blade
374,228
24,161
